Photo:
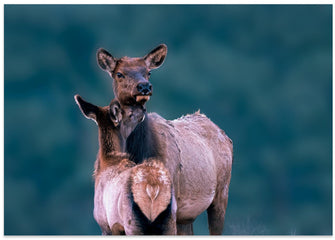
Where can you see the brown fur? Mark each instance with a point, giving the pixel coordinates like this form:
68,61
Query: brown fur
118,180
118,229
112,132
197,153
127,73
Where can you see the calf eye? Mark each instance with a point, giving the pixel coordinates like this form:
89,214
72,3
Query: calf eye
119,75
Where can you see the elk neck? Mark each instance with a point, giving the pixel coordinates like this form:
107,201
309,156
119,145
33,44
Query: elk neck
111,144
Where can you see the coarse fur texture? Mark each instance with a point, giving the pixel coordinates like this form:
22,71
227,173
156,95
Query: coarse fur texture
199,157
197,153
129,199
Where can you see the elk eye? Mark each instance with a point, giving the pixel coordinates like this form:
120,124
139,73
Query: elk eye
119,75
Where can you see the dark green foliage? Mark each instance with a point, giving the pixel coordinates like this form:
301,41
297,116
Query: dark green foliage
262,73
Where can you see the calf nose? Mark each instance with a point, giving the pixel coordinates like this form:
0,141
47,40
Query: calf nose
144,88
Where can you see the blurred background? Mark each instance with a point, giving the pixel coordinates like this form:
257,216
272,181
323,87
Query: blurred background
262,73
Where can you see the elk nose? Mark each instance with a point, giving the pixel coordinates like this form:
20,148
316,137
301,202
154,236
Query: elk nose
144,88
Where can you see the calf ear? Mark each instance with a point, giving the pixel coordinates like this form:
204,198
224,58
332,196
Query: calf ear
156,57
115,112
89,110
105,60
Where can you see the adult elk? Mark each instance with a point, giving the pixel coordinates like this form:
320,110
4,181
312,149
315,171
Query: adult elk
129,199
197,153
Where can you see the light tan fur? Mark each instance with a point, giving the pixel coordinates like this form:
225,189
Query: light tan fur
112,204
118,180
151,187
199,157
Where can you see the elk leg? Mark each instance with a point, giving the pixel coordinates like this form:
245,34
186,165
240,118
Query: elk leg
216,214
185,229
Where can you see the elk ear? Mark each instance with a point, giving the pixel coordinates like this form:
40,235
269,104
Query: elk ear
89,110
105,60
115,112
156,57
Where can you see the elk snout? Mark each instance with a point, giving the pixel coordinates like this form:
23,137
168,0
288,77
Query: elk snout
144,88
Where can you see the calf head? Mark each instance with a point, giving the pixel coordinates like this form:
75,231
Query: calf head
115,123
131,75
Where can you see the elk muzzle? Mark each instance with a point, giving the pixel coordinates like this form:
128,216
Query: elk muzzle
144,88
144,91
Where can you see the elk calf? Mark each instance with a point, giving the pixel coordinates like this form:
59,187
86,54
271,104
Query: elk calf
129,199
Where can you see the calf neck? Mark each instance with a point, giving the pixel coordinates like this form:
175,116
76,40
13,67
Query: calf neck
129,199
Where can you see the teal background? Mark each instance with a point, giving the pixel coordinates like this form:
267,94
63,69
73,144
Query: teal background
263,73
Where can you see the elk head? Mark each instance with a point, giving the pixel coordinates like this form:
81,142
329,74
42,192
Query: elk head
115,123
131,75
